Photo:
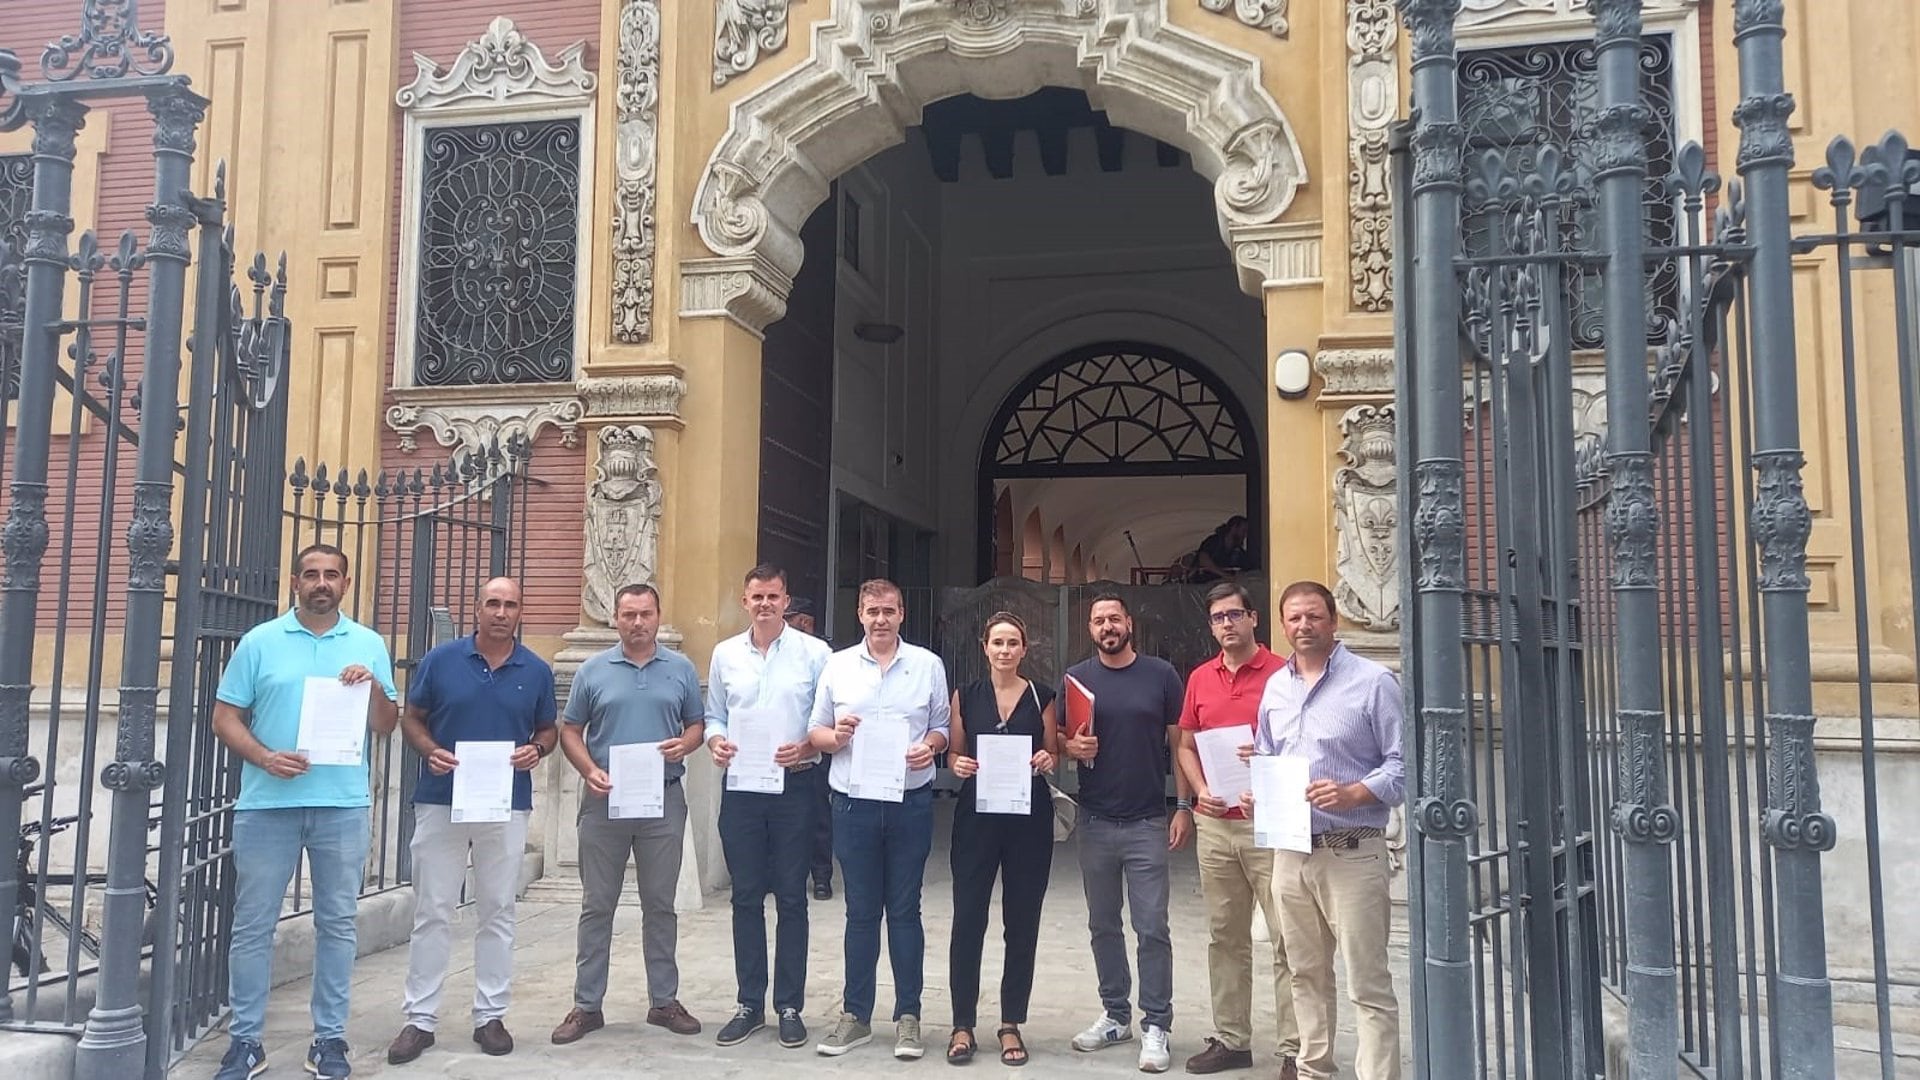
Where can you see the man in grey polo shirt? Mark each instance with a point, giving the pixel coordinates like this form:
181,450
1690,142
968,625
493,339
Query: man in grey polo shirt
636,692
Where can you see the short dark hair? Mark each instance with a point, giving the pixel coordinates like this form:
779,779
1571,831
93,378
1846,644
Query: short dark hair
1237,519
1229,590
1108,596
1309,588
879,587
636,589
765,572
346,564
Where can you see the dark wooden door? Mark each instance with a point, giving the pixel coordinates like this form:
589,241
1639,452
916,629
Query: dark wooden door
796,419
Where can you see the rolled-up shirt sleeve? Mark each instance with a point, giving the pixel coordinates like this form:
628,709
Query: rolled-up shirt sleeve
1388,781
716,712
940,708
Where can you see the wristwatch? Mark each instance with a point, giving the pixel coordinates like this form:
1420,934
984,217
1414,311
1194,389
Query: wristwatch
1183,804
542,749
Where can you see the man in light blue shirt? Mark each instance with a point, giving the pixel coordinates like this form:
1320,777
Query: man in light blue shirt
1341,712
882,845
289,807
773,670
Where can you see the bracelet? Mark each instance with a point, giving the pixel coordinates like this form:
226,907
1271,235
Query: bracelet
1183,804
542,749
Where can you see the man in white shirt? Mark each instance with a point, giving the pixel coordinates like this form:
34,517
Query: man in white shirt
767,675
882,688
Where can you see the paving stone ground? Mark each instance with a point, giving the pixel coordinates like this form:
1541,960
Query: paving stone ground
1064,999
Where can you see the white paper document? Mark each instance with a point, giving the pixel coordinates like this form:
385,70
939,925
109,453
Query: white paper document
756,736
1282,816
482,782
333,721
1004,784
639,776
879,759
1219,748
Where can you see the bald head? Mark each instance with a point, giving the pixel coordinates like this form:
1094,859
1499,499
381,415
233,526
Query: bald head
499,612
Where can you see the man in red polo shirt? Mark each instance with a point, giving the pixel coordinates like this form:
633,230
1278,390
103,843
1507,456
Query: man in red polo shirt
1223,695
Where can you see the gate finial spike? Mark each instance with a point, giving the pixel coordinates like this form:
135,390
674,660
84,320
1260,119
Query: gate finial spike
1840,174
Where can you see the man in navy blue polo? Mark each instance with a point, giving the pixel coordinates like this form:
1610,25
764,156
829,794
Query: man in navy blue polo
487,688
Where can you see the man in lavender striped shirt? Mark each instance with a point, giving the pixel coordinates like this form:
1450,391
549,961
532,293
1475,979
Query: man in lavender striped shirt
1342,713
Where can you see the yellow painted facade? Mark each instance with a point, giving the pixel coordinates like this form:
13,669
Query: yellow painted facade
303,106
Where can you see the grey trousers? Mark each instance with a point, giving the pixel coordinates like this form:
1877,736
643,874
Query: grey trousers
1132,854
654,845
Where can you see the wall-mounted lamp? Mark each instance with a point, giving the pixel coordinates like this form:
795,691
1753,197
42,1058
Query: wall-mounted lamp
1292,373
879,333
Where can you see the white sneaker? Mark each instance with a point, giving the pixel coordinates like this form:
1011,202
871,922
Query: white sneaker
1154,1055
1105,1032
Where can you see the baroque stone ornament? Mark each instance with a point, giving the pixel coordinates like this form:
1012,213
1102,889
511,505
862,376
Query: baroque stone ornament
1793,818
1641,816
742,31
1781,520
1373,96
632,395
747,290
1268,15
1284,254
636,142
1445,813
499,65
468,427
855,93
1764,138
1355,371
623,518
1633,520
1366,516
1440,524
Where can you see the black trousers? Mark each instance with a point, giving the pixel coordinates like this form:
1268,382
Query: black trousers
823,826
1019,851
765,839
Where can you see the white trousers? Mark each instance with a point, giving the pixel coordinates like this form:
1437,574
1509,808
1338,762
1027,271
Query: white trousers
440,855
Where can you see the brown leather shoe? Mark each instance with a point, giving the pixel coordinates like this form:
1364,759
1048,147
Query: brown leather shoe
493,1038
578,1025
408,1045
1217,1058
1288,1070
674,1017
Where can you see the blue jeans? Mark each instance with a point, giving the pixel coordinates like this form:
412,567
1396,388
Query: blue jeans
267,845
883,850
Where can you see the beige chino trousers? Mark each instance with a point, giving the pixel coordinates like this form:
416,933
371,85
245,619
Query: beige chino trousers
1235,877
1338,898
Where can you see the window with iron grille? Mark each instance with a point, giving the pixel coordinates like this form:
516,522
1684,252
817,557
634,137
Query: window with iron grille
1519,100
499,239
16,194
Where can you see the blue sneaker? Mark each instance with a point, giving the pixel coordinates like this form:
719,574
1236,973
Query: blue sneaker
327,1059
245,1060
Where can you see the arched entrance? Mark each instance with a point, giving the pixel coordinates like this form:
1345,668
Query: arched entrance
877,63
1111,411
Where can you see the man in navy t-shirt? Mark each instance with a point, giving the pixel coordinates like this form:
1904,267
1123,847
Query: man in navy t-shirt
484,689
1125,832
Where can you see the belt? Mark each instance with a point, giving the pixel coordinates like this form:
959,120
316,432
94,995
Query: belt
1346,839
802,767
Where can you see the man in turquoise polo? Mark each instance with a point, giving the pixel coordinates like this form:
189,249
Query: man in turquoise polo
290,807
639,691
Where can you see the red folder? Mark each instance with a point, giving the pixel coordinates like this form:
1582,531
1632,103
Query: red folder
1079,708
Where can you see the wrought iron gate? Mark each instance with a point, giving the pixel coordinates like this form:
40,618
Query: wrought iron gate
1617,791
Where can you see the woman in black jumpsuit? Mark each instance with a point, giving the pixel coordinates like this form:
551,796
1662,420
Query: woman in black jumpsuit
1017,849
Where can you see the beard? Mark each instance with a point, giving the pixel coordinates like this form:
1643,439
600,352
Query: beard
320,603
1118,644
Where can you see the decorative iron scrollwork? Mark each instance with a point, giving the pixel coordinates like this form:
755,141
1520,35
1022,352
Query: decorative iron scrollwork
1764,138
1781,520
24,770
1633,521
1444,812
24,536
1440,524
16,193
149,535
1642,816
1793,819
109,38
499,248
1119,405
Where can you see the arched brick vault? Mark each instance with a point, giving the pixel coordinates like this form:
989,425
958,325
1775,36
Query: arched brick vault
876,63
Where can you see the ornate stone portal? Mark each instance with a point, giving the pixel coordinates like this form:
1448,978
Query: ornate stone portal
623,519
1366,514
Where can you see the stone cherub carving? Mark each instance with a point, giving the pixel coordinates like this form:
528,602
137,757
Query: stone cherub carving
1366,514
623,518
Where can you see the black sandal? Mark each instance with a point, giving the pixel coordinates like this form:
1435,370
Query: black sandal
958,1052
1017,1053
